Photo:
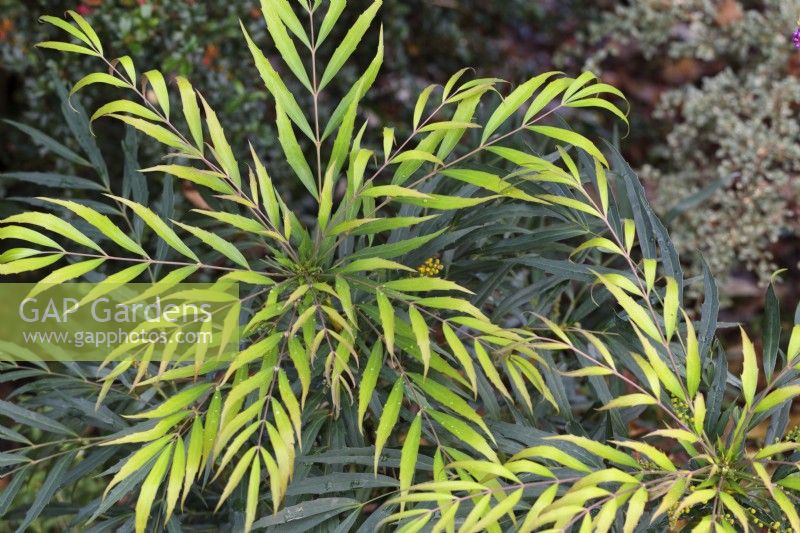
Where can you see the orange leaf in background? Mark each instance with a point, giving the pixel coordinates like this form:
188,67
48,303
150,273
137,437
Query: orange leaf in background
6,25
191,194
683,70
729,12
211,53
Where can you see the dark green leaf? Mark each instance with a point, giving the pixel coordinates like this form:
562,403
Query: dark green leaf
51,144
49,179
772,332
49,487
33,419
305,510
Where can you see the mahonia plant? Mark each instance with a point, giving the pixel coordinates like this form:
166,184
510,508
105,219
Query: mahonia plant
370,386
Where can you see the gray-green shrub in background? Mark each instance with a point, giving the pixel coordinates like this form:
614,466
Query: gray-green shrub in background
731,159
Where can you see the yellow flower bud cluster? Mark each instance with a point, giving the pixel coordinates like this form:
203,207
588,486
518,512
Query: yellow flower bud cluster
430,268
681,409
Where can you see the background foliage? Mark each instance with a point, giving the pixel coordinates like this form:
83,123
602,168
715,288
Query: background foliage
722,84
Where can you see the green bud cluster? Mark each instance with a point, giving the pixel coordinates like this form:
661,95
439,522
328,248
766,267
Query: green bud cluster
646,464
675,516
758,519
793,435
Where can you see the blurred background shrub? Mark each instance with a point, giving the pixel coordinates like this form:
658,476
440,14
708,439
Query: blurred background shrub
718,82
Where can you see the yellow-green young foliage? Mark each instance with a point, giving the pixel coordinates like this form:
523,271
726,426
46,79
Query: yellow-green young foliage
468,335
